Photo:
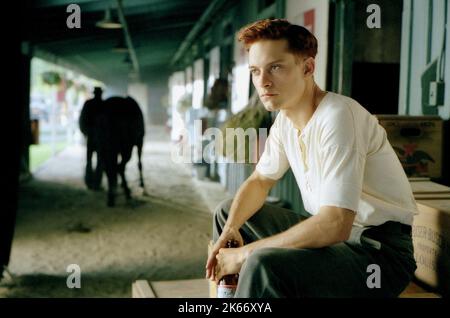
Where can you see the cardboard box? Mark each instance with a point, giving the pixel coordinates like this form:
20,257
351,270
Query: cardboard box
417,141
431,238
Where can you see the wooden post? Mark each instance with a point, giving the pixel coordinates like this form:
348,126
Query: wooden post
142,289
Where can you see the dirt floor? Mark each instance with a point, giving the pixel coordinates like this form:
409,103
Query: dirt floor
160,235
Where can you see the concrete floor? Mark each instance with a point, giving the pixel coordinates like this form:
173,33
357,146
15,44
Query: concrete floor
159,236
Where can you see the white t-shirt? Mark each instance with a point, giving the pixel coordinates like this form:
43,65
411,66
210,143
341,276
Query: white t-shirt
341,158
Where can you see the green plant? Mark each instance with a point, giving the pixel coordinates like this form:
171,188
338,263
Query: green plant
254,115
69,83
51,78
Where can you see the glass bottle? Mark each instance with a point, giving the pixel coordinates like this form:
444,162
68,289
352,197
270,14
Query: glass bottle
226,288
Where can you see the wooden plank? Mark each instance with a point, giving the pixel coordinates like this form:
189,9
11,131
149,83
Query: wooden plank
189,288
415,291
413,288
420,295
142,289
431,196
421,187
416,179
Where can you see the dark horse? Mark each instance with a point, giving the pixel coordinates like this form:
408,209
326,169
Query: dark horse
120,127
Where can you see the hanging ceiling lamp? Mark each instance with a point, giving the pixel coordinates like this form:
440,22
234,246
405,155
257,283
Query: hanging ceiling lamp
108,22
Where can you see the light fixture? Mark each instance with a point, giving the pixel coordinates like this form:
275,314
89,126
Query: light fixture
120,47
108,22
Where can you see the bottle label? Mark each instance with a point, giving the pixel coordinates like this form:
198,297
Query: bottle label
226,291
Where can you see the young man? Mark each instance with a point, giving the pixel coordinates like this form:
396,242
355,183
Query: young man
357,241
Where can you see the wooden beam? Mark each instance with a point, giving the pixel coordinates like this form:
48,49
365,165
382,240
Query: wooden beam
142,289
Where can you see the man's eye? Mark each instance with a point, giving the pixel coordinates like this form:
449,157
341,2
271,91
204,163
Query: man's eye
275,67
254,72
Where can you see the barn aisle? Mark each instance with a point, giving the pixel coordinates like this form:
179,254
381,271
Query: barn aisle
162,235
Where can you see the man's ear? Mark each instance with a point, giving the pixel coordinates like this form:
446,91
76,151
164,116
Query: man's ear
309,66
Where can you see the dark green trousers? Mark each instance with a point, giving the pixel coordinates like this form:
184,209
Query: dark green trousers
341,270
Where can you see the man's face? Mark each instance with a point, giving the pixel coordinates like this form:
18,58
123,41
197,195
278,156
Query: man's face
278,75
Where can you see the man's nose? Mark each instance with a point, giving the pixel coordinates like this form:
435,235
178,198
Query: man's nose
265,80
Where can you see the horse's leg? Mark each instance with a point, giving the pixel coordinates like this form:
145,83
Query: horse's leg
110,165
98,174
88,171
139,146
125,157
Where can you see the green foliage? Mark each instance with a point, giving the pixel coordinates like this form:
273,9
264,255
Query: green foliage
69,83
51,78
254,115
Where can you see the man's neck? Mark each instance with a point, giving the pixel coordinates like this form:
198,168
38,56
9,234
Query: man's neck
302,113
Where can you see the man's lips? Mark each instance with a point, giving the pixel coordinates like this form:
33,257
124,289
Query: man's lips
268,95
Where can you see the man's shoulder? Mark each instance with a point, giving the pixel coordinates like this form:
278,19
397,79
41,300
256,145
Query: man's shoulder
337,102
339,109
335,108
346,102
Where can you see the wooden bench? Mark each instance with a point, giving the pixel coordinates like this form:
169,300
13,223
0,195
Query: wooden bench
203,288
415,291
411,291
189,288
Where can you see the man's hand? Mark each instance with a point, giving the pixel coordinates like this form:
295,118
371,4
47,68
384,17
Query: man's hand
229,261
248,200
225,261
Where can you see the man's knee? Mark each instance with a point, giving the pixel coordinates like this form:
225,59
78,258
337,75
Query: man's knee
261,259
260,274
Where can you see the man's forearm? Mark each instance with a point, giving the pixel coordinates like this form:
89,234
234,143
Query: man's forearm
249,198
323,229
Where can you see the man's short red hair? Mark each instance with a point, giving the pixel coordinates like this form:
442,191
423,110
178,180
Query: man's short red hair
300,40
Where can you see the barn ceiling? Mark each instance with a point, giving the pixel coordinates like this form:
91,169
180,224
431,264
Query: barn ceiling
156,28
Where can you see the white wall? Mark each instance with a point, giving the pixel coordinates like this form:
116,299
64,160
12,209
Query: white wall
241,78
188,79
214,66
177,90
295,10
198,86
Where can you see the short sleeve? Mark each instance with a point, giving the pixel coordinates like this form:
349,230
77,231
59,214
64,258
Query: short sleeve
273,163
342,164
342,177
